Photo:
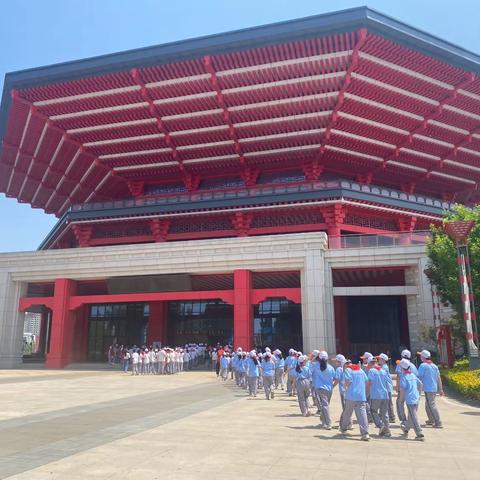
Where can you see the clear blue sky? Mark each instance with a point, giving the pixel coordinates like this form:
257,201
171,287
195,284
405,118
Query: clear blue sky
35,33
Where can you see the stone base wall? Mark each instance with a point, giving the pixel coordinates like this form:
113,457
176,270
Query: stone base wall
305,252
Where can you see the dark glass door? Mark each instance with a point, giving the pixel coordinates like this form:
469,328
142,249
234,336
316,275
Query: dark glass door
278,324
374,324
116,323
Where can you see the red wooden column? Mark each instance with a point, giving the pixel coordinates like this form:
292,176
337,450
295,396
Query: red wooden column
157,323
242,309
61,338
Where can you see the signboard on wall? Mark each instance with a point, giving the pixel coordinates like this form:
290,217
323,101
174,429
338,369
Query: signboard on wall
150,284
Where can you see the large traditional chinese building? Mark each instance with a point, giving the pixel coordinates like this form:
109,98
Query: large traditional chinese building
268,186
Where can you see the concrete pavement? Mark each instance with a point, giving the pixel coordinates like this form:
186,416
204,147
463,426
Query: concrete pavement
101,424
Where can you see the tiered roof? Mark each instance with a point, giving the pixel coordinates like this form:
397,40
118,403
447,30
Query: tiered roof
352,93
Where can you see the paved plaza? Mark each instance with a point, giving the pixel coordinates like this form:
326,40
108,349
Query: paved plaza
108,425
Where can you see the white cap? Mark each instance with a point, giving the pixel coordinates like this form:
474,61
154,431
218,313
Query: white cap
239,349
277,352
316,353
323,355
291,351
366,356
424,354
384,357
267,349
253,353
340,359
301,358
406,354
405,363
267,354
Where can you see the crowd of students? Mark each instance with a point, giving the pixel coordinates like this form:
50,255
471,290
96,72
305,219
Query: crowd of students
156,360
366,388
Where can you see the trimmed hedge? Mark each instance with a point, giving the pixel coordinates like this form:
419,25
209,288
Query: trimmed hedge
463,380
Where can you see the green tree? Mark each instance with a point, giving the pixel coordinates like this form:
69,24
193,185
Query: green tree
442,268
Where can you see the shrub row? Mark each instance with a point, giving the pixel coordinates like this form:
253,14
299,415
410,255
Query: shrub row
463,380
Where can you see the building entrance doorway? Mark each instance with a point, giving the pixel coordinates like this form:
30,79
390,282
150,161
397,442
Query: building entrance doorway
199,321
36,333
377,324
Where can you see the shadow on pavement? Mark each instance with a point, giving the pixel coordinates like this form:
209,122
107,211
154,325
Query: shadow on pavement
305,427
290,415
454,395
357,438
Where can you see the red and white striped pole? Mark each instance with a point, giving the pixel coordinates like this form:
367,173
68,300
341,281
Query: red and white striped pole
458,231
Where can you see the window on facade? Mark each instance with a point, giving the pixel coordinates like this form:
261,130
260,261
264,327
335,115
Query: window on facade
165,188
281,177
116,323
224,182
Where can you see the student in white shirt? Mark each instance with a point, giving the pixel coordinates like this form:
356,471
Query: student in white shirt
162,361
155,359
135,362
146,362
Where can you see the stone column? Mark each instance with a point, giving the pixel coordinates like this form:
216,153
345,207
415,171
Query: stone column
318,329
419,307
11,321
330,310
242,310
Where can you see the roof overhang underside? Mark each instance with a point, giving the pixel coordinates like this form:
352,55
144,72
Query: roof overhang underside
354,93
